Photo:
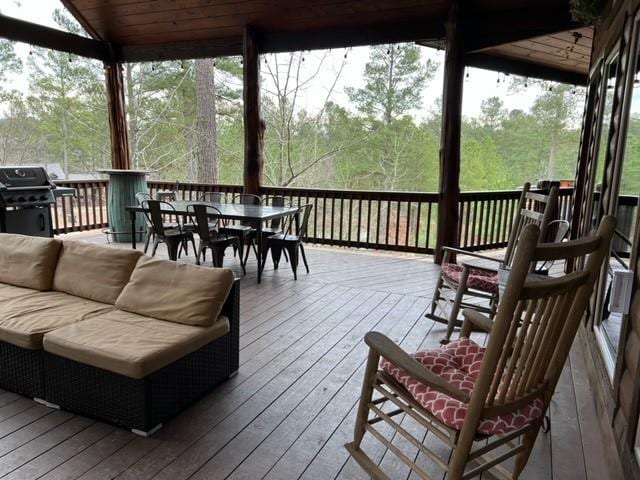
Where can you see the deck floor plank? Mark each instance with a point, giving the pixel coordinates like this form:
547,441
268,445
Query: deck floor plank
291,408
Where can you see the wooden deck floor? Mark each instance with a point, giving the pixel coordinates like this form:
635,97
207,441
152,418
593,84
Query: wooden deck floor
289,411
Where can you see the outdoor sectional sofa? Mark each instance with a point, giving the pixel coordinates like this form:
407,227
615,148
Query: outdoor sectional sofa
110,333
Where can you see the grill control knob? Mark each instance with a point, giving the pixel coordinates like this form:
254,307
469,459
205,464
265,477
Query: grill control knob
10,200
21,199
32,199
43,198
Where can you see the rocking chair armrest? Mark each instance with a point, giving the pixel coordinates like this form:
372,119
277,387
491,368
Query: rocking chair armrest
385,347
459,251
468,265
472,319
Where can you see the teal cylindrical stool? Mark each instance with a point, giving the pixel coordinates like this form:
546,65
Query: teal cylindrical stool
123,186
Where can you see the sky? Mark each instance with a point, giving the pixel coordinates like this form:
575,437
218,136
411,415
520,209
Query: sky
479,84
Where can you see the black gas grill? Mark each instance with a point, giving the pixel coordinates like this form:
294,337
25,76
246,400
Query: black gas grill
26,194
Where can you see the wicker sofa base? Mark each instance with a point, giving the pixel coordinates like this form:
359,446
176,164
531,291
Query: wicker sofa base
143,404
138,404
21,370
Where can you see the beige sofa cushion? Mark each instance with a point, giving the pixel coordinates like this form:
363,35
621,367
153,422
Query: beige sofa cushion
176,292
25,320
7,292
28,261
95,272
130,344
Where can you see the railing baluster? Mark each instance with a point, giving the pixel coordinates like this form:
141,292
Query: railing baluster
417,242
408,221
426,242
358,230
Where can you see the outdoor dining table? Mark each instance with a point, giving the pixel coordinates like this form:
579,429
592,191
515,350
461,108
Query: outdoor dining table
255,215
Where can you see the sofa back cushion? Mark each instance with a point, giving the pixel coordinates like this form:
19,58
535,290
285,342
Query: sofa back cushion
28,262
94,272
176,292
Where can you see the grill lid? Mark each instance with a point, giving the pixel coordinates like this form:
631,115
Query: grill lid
20,177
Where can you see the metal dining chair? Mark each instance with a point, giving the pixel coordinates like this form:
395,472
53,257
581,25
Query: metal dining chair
289,242
276,225
174,236
210,225
150,233
245,231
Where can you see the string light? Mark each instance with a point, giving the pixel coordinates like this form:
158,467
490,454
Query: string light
526,82
30,49
70,59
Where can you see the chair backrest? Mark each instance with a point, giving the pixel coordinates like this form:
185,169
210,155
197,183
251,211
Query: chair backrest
246,199
142,196
533,208
302,219
536,323
155,208
205,218
211,197
276,201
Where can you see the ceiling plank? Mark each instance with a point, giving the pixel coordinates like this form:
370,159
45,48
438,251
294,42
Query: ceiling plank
515,66
499,28
41,36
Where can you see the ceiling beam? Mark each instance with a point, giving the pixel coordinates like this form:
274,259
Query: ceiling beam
220,47
526,69
41,36
348,36
499,28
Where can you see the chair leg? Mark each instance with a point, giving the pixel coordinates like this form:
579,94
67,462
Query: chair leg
239,247
200,251
173,246
293,260
455,308
193,243
461,452
155,247
436,295
243,265
276,253
365,397
218,256
246,255
147,240
304,258
265,253
528,440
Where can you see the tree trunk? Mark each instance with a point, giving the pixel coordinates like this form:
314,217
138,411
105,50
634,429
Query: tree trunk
206,154
133,116
553,156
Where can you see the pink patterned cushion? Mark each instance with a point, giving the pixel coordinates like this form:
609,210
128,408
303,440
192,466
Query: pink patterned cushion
477,279
459,364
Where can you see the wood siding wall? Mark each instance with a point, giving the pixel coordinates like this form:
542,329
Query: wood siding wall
617,401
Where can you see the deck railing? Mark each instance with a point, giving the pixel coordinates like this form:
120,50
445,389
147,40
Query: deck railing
400,221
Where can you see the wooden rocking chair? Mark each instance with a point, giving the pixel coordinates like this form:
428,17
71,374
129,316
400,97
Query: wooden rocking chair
459,281
486,404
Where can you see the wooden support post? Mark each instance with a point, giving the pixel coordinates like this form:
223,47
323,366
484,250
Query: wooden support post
120,158
253,125
449,191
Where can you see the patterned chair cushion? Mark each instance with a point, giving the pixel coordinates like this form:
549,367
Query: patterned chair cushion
477,279
459,364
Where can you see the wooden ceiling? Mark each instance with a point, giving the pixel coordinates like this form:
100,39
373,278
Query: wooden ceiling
530,31
570,50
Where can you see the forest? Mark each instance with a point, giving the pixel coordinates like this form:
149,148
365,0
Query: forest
185,121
